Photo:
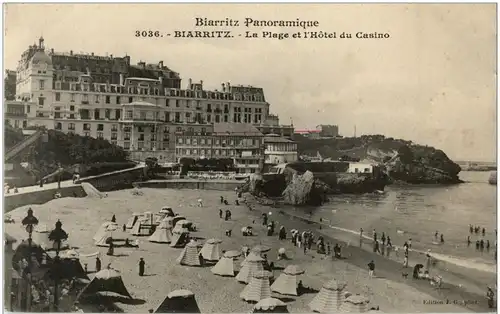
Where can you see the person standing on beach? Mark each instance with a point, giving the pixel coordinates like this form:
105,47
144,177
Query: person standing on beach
97,264
142,266
436,234
376,248
383,238
484,232
360,237
409,243
374,235
488,245
481,245
471,229
371,269
442,238
222,199
220,212
468,241
405,261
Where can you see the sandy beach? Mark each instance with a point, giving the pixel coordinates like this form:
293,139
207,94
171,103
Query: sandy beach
82,217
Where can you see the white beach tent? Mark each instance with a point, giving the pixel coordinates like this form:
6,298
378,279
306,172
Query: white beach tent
162,234
132,220
210,250
138,229
225,266
286,283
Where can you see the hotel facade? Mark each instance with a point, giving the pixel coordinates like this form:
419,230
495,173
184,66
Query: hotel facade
141,108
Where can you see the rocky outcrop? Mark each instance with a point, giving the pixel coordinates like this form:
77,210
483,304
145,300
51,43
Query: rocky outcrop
432,168
305,189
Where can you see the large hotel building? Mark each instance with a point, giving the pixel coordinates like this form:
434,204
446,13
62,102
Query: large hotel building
142,108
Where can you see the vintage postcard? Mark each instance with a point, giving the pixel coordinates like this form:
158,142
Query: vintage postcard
237,158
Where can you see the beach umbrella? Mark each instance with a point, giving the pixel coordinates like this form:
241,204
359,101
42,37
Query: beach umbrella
258,287
179,301
282,251
270,305
261,248
294,270
330,297
355,304
232,254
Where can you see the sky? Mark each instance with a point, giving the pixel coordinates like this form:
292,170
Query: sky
433,81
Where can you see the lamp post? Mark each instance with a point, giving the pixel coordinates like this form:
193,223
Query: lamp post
29,222
57,236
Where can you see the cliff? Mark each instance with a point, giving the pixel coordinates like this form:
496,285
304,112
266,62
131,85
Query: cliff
403,161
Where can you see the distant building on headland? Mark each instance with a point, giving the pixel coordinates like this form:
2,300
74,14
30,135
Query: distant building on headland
141,107
313,134
328,130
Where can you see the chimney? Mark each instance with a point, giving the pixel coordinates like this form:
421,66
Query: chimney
190,83
228,87
71,52
160,64
201,83
121,79
223,87
52,50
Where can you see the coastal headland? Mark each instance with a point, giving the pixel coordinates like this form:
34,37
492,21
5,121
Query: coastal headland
217,294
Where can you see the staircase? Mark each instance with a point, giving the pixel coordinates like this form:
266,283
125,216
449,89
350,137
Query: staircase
19,147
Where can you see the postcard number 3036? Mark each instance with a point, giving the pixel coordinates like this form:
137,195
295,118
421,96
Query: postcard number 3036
148,34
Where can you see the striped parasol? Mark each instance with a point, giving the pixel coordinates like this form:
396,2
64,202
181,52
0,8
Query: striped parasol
330,297
355,304
285,284
210,250
252,265
258,288
294,270
189,255
224,267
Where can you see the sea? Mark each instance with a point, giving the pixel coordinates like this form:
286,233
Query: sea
417,212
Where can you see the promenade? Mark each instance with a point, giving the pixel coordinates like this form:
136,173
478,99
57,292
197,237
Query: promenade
37,188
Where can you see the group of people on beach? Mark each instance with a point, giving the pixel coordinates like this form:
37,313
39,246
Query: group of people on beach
481,244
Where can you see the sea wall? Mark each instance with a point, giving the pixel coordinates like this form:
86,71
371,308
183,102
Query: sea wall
13,201
116,180
216,185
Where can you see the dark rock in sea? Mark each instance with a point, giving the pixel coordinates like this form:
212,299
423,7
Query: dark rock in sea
493,178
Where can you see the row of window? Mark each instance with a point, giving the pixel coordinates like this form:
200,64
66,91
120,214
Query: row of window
212,152
208,141
143,90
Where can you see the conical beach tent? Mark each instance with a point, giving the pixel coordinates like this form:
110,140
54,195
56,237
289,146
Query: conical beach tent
162,234
330,298
104,240
105,228
258,288
270,305
210,250
189,255
253,265
107,280
179,239
138,229
179,301
132,220
179,229
355,304
287,281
